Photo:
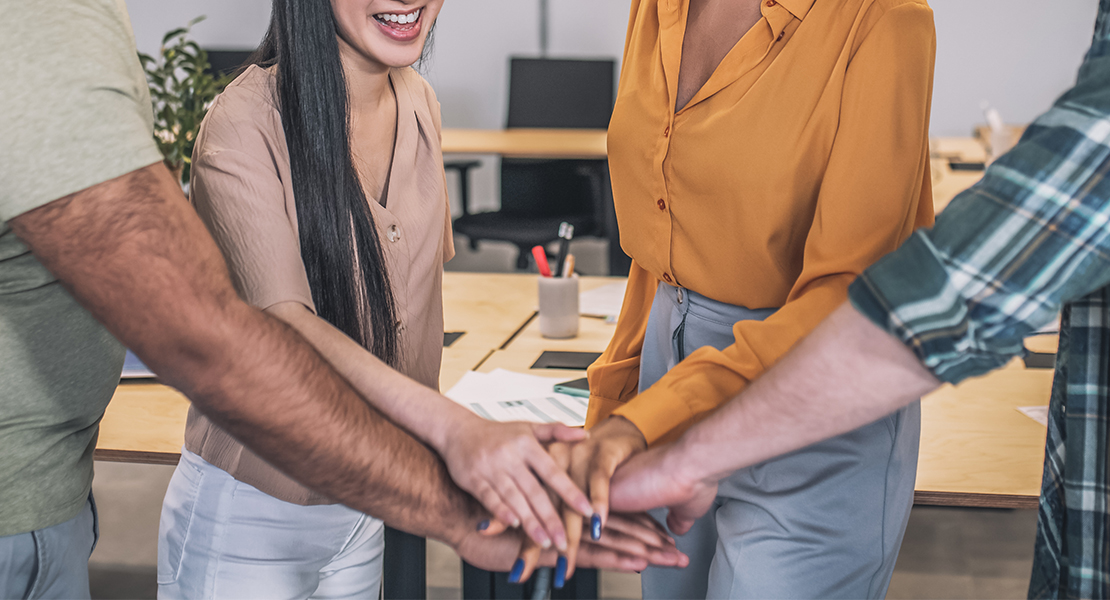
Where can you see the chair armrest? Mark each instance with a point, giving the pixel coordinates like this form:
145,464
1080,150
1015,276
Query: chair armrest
463,167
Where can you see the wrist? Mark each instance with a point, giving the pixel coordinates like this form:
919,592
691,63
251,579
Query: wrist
686,462
463,529
621,426
451,420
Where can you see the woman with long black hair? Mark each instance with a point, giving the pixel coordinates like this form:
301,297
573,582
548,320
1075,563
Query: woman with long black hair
319,172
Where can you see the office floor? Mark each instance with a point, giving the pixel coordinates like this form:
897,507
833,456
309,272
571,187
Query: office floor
947,552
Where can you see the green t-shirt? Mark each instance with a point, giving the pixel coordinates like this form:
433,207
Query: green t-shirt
74,112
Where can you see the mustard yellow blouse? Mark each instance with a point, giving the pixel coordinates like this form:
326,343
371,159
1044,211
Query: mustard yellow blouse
802,160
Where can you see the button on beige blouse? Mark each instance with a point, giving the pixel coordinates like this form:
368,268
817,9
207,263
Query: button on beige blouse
242,189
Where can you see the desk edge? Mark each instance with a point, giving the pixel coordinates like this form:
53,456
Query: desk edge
136,456
931,498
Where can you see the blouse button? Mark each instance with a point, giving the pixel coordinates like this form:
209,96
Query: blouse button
667,277
394,233
667,131
662,205
771,2
781,35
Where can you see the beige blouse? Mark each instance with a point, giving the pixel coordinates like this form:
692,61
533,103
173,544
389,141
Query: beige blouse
242,189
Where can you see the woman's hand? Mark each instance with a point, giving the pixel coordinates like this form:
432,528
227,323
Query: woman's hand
594,460
632,536
499,463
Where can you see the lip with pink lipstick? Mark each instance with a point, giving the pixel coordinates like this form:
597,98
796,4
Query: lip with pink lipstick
400,26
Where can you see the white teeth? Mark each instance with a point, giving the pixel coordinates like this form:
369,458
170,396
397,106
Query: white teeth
400,19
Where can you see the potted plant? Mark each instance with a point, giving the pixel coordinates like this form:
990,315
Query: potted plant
181,90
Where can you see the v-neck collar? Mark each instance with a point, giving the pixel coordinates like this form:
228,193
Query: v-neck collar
748,52
383,201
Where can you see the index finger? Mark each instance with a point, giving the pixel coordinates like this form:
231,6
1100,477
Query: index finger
602,466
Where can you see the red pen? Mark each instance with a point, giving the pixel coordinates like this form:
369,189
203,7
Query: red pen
541,260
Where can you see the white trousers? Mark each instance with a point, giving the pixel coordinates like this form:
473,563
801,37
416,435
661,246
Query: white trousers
222,538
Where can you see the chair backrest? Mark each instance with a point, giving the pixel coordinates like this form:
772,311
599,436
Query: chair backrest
226,62
556,93
561,93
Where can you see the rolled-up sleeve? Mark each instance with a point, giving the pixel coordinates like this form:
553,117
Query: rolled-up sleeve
1010,251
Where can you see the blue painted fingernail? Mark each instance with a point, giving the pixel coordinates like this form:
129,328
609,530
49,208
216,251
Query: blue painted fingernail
595,527
484,525
518,570
560,572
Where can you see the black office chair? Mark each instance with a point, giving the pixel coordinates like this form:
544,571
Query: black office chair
537,195
223,62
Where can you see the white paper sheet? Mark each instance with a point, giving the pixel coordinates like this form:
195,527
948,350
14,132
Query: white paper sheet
507,396
1037,413
604,301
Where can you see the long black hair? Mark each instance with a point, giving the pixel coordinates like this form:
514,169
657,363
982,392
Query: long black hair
339,241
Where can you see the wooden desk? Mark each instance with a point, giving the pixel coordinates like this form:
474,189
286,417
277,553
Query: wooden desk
947,183
976,448
144,423
527,143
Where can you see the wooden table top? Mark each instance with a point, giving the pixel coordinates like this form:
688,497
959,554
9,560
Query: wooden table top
527,143
977,449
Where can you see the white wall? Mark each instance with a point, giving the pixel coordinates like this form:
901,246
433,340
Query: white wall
1017,54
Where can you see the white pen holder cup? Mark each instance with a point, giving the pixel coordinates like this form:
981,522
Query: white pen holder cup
558,307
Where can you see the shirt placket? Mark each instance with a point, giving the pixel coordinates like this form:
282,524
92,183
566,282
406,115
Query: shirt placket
672,23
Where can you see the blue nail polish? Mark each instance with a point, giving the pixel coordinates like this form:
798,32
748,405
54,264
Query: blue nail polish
560,572
484,525
595,527
518,570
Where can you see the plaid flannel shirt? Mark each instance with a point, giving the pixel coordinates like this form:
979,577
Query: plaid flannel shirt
1002,260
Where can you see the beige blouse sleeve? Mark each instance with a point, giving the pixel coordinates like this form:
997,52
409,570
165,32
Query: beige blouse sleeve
248,206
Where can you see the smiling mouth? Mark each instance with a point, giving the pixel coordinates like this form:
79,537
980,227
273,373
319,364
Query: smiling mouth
400,21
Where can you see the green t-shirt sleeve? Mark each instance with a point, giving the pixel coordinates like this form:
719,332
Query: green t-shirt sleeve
74,105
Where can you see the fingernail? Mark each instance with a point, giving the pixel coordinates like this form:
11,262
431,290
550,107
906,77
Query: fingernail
516,523
484,525
518,570
545,544
560,572
595,527
561,543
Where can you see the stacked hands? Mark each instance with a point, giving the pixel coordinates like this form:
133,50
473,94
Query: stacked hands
533,480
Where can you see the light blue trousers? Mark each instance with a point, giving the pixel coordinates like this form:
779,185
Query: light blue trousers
52,562
222,538
822,522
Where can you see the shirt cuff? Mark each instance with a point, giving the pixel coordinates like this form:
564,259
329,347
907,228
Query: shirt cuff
910,294
660,414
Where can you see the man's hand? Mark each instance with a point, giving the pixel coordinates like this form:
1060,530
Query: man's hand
135,254
662,477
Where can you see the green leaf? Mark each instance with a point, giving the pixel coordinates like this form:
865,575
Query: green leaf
174,33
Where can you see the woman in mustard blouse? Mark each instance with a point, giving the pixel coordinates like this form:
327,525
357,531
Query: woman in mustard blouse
762,155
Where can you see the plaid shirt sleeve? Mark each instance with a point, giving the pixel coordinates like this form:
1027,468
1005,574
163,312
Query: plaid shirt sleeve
1007,253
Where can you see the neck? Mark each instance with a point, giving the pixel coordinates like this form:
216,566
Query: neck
367,80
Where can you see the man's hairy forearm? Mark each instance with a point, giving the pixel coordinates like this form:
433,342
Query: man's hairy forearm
138,258
845,374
